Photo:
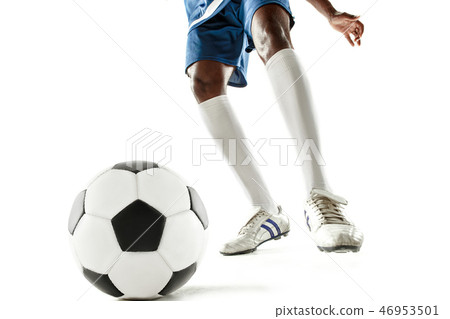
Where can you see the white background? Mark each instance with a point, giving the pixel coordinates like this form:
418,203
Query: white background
78,79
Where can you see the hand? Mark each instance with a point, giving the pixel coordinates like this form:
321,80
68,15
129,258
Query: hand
348,24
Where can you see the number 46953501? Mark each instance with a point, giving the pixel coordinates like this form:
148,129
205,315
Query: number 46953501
409,310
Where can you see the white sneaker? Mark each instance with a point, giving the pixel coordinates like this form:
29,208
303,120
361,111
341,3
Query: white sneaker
260,228
329,227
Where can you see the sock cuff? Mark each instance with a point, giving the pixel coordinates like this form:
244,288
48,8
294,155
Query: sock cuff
217,100
280,56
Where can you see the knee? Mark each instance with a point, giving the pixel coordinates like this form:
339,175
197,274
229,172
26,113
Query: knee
209,79
270,39
207,86
271,32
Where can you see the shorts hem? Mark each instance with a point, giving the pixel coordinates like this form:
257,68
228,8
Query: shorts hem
239,69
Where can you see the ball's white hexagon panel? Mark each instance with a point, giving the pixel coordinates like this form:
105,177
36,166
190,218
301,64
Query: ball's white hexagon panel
163,190
95,243
140,275
183,240
110,193
171,171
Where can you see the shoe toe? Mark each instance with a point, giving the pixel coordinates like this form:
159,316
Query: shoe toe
334,235
236,246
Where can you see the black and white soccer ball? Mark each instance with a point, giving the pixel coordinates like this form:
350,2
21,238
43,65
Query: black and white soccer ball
138,231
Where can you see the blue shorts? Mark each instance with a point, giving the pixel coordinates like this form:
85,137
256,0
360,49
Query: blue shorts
221,31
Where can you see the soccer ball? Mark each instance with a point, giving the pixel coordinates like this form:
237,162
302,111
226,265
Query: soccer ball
138,231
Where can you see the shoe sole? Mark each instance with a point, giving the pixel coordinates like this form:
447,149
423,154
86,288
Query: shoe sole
248,251
340,249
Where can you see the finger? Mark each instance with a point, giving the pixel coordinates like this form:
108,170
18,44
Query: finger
357,38
350,29
352,26
347,36
361,28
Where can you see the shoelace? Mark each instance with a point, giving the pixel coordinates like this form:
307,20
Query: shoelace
252,222
328,211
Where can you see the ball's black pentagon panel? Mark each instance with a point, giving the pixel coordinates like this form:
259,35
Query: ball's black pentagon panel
178,279
135,166
102,282
139,227
197,207
77,211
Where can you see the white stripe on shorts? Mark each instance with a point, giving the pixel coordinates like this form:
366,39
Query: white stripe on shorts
208,12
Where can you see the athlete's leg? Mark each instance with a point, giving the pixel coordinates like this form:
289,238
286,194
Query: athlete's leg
209,82
323,210
270,31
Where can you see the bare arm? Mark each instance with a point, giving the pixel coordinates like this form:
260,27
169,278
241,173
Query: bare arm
347,24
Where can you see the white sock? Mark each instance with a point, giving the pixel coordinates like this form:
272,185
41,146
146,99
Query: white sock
222,124
294,98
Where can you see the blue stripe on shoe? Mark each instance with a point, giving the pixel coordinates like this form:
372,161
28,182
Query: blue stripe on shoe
307,221
269,230
275,225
